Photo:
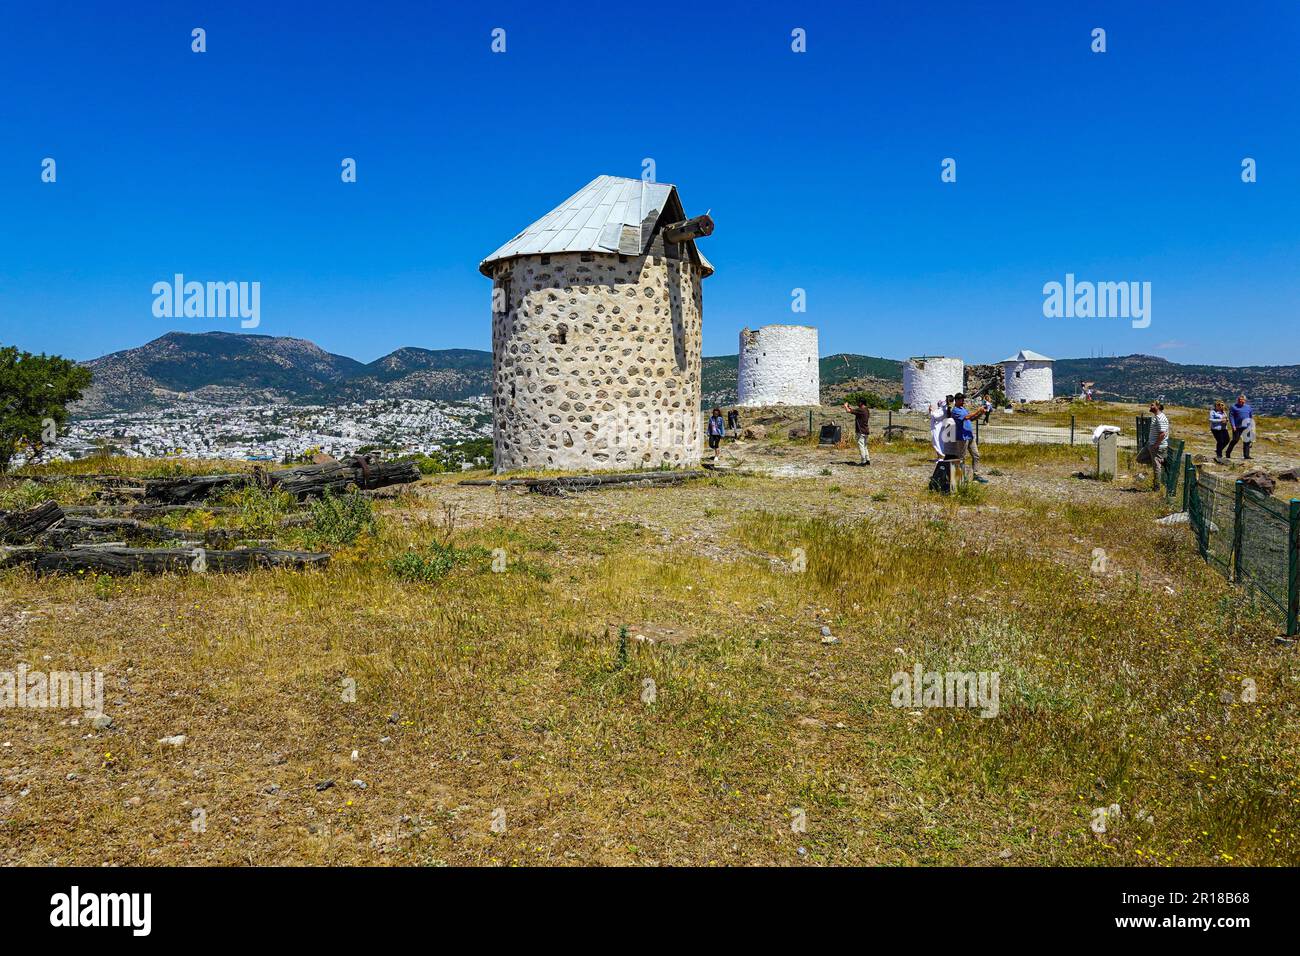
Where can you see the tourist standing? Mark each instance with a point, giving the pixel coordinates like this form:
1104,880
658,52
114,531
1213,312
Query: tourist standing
965,441
733,422
861,428
937,414
1157,444
1242,418
716,428
1219,428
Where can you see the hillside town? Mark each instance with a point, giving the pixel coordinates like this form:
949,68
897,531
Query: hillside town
275,432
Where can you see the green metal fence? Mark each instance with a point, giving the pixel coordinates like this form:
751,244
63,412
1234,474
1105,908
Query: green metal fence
1211,506
1251,538
1173,465
1143,430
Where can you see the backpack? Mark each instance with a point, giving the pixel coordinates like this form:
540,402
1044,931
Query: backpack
941,480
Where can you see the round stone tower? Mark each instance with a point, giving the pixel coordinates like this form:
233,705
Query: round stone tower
779,366
1027,377
928,379
596,333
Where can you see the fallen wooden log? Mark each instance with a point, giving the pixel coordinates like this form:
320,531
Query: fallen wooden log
116,560
313,481
142,510
178,491
559,486
109,524
77,530
308,481
18,526
588,481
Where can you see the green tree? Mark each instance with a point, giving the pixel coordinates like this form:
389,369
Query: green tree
35,391
872,400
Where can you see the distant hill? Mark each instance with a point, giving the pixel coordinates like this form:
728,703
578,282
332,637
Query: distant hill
433,374
215,366
229,367
232,367
1272,389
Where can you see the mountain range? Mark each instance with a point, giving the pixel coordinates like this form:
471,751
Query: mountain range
230,367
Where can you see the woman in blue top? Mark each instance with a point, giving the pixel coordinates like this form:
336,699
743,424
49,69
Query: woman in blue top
1219,428
717,427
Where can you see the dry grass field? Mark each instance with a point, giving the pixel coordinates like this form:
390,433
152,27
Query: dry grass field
478,691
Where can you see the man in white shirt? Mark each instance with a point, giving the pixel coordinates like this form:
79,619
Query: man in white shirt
1157,444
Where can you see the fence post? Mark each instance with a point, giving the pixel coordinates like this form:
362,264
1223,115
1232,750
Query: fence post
1293,566
889,429
810,421
1071,429
1237,500
1189,475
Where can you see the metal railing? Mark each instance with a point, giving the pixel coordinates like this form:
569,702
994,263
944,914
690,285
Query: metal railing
1252,539
1173,465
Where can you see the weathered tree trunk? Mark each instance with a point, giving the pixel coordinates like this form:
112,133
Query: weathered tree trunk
112,560
312,481
309,481
76,529
696,228
551,486
140,510
177,491
23,525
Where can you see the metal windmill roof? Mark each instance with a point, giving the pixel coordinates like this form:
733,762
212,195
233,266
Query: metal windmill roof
610,214
1024,355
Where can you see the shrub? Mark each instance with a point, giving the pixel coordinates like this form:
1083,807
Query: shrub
257,510
872,400
340,520
434,563
453,456
968,493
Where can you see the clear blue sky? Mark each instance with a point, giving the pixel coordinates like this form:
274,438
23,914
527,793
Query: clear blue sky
822,169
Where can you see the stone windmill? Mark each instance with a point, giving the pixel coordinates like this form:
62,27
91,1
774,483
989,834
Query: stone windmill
596,324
